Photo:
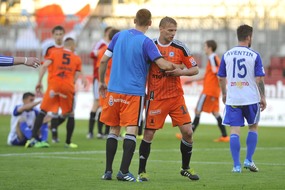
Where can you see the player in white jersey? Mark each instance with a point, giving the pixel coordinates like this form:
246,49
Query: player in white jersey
241,77
22,122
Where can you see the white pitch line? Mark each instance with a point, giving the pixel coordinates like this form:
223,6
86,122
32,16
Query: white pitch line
152,150
156,161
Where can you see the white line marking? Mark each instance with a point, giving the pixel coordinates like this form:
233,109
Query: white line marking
152,150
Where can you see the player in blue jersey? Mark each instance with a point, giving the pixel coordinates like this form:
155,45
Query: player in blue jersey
10,61
241,77
22,122
131,52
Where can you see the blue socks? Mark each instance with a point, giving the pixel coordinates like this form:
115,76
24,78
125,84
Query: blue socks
44,132
251,142
235,148
25,129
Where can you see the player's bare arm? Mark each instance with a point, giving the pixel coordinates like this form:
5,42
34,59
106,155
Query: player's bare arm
27,106
184,71
43,70
28,61
102,72
261,89
165,65
223,83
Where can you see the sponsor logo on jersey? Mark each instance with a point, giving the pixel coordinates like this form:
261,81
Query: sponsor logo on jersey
111,101
192,61
239,84
154,112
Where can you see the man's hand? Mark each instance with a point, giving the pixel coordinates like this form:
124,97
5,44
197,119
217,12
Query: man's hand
32,62
176,72
39,89
102,89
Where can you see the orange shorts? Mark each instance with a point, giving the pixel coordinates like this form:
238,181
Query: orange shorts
122,110
208,104
52,102
157,111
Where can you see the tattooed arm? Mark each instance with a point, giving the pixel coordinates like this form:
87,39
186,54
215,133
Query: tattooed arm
261,89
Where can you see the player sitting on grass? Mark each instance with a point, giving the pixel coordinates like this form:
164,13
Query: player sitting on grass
22,123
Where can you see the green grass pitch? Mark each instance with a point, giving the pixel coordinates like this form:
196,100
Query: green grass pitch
57,168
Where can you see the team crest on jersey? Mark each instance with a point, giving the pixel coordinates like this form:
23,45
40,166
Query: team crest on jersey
111,101
192,61
171,54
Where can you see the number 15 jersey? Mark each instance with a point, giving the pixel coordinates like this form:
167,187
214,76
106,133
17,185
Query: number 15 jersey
241,65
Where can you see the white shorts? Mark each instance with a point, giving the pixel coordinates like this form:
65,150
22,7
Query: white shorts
96,89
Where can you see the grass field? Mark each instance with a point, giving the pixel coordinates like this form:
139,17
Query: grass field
57,168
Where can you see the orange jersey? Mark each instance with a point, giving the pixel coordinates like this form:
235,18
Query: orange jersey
47,52
161,86
63,68
211,85
108,71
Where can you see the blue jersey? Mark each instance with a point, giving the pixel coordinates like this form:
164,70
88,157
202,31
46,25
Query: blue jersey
26,116
6,61
241,65
132,52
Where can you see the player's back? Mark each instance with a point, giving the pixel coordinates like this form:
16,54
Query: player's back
129,67
64,66
242,64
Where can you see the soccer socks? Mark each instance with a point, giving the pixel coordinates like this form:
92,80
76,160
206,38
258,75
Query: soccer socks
195,122
55,122
69,129
235,149
107,129
186,152
251,142
91,122
129,147
144,153
100,124
111,149
25,129
44,132
221,126
38,123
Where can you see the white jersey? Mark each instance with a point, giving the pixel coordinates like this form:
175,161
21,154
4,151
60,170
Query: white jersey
27,116
241,65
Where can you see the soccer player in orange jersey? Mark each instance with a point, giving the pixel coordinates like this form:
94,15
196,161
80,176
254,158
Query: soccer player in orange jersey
107,78
95,55
63,66
165,97
209,99
48,47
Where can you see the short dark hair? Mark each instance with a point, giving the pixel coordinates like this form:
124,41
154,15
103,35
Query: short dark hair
68,41
166,20
143,17
107,29
112,33
212,44
58,28
243,31
28,94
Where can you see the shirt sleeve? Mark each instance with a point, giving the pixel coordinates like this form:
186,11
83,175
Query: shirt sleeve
259,69
15,111
150,50
6,61
214,63
222,70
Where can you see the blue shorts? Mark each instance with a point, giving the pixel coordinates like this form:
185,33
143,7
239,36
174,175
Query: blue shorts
235,115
